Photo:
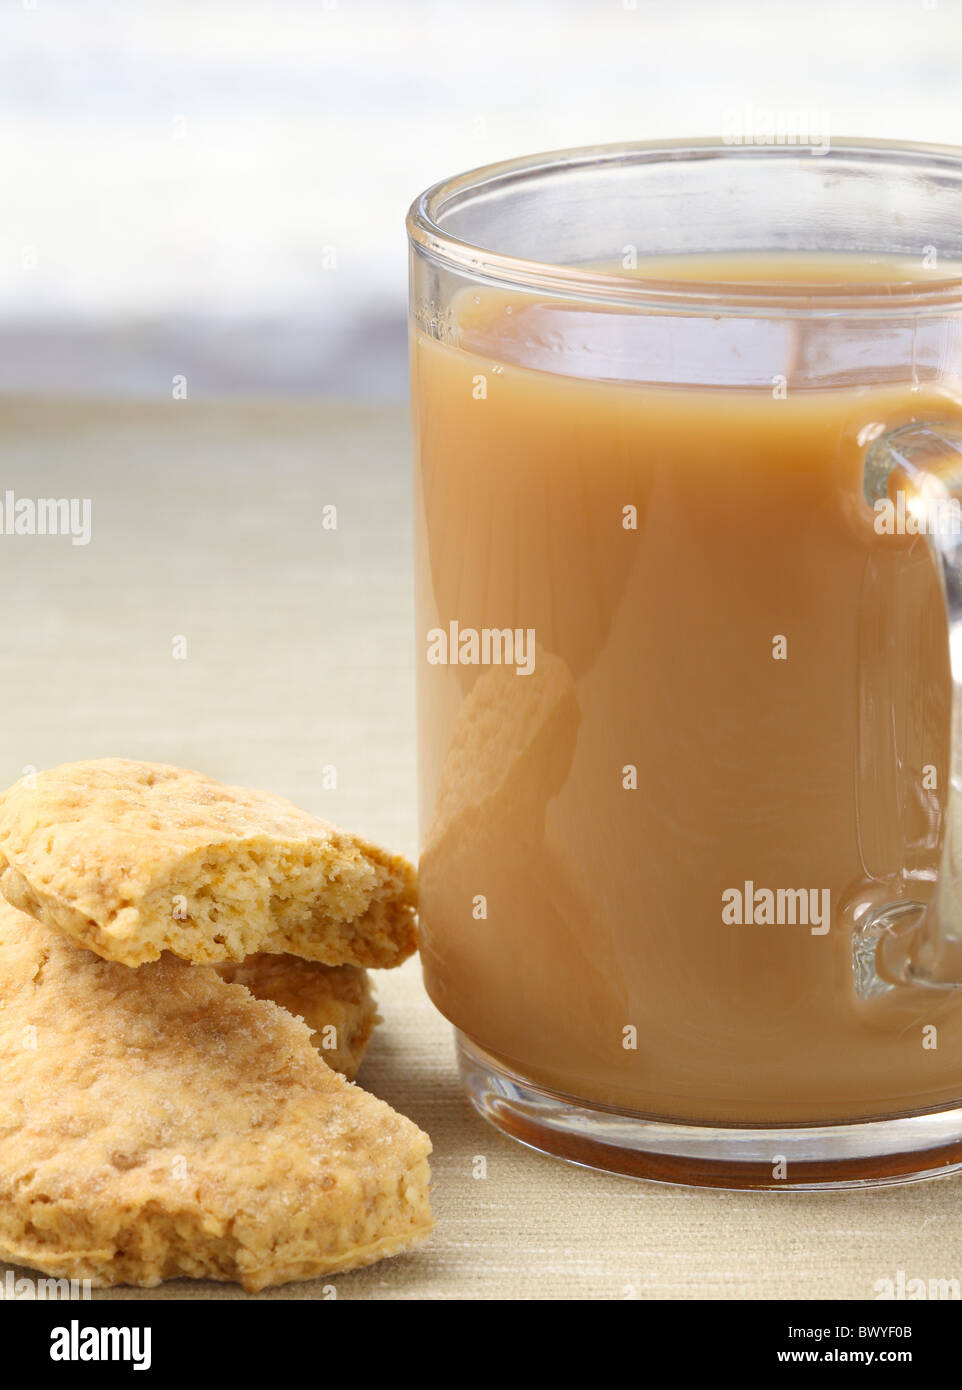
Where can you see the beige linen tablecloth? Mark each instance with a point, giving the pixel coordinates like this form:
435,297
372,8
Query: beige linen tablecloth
206,526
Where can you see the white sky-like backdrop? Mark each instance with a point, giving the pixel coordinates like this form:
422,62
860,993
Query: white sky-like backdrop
171,170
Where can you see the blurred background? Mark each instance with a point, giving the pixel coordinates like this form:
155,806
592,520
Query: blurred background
218,189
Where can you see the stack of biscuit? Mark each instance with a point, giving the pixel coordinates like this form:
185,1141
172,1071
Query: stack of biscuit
183,997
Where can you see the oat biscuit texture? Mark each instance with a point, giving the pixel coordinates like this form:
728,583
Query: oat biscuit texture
131,859
335,1001
160,1122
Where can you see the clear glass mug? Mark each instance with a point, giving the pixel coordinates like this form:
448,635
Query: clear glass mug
689,591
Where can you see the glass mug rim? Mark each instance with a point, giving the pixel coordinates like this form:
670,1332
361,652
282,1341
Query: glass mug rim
428,238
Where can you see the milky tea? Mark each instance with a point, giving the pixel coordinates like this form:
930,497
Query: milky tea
681,700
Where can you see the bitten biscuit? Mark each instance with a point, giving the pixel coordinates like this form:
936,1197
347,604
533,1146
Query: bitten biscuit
335,1001
159,1122
131,859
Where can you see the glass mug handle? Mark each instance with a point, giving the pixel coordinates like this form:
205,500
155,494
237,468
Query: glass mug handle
908,942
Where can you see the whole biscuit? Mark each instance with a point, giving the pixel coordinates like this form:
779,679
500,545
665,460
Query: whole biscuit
159,1122
131,859
335,1001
